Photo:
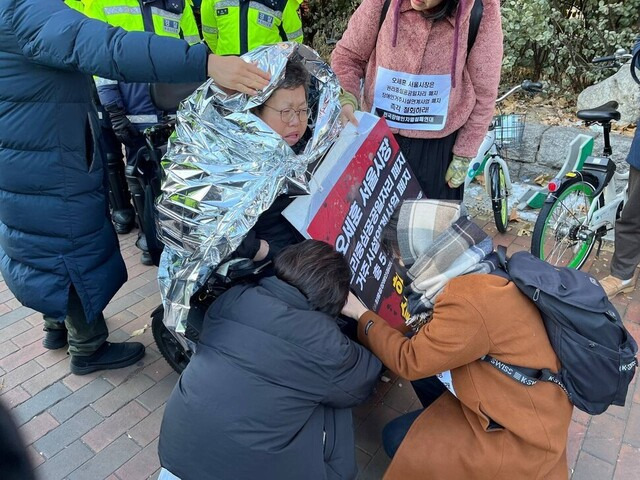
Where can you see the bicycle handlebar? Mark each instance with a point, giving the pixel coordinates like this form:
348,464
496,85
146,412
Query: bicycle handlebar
608,58
531,87
620,55
527,86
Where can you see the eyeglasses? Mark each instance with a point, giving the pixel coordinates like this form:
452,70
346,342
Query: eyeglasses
288,114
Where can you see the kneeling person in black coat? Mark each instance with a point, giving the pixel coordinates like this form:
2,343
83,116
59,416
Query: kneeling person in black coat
269,392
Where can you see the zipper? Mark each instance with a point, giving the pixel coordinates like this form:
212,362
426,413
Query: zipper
244,26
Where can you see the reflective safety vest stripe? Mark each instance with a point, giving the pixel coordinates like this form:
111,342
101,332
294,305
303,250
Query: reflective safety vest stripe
233,27
171,18
143,118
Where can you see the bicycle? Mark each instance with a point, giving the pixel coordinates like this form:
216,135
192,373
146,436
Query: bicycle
583,206
505,132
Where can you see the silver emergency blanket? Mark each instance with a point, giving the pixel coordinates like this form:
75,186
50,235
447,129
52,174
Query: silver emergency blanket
224,167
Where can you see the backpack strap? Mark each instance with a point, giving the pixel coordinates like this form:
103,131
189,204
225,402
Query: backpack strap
501,253
523,375
474,20
474,23
383,14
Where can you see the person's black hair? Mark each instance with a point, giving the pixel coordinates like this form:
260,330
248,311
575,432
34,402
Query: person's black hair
318,271
445,9
295,75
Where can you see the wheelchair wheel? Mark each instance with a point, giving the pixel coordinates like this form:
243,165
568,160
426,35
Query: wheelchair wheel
561,235
167,344
499,197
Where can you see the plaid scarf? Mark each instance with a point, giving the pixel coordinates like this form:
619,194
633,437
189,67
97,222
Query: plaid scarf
440,243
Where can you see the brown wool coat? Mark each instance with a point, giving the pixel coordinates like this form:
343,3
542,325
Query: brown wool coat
451,440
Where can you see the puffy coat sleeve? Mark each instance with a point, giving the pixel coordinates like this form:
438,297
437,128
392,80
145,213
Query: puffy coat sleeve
51,34
355,372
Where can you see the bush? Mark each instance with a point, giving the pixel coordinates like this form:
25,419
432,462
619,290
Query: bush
324,21
555,40
551,40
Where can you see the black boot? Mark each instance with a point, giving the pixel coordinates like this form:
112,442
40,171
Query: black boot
54,338
122,213
108,357
145,257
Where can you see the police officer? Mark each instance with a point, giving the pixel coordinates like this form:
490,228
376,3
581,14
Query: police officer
128,105
233,27
122,213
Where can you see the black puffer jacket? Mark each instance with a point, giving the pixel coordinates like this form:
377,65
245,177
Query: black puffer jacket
268,395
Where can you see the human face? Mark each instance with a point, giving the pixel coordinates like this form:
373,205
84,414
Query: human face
283,99
421,5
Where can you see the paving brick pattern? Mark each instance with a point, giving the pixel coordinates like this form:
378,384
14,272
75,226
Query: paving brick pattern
106,425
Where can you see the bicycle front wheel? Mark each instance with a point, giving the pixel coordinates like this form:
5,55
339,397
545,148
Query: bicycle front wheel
499,197
561,235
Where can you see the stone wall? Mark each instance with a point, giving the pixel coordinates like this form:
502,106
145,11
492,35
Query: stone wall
545,149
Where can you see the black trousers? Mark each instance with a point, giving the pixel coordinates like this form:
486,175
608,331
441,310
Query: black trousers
428,390
429,159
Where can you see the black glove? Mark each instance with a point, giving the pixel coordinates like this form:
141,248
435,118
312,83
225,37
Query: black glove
249,246
122,127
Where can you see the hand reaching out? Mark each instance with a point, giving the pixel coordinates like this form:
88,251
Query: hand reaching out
236,74
354,308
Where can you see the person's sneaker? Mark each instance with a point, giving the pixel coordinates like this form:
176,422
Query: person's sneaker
613,285
54,338
108,357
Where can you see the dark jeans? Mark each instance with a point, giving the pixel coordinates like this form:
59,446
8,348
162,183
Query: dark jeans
428,390
84,337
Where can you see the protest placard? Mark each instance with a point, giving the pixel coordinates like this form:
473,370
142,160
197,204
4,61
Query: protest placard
354,193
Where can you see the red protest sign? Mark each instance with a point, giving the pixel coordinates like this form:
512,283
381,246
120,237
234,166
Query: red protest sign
359,193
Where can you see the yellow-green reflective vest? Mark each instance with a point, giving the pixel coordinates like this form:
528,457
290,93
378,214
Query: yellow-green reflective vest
233,27
75,4
171,18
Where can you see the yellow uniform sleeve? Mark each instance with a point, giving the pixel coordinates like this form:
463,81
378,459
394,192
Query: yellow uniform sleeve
94,9
291,21
188,25
209,24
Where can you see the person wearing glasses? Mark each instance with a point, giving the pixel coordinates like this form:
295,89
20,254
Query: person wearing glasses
286,113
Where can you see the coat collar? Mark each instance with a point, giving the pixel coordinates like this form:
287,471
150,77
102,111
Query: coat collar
285,292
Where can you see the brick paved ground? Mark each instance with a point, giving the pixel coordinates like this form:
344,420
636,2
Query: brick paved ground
105,425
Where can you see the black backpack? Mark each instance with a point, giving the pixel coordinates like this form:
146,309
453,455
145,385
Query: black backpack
474,20
597,353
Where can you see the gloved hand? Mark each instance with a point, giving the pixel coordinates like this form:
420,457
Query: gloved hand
349,105
122,127
457,171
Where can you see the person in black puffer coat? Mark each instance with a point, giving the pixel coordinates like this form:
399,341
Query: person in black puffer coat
268,394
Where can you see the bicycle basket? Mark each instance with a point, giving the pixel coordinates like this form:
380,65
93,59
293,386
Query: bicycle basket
509,130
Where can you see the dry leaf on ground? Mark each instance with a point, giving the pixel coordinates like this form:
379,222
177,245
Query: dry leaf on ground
140,331
514,216
542,180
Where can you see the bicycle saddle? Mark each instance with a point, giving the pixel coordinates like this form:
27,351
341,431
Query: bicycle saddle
603,113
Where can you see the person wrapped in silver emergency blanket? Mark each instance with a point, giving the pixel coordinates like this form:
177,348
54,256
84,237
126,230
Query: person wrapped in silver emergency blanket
235,157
